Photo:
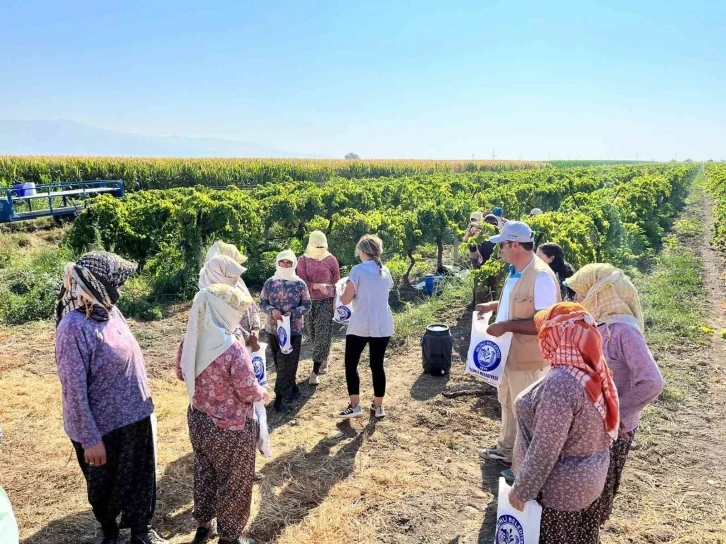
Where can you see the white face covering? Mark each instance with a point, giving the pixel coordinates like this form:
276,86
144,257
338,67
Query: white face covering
285,273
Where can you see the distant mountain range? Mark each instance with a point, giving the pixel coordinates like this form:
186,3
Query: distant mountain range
71,138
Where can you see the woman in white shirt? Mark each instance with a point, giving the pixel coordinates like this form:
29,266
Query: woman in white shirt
369,284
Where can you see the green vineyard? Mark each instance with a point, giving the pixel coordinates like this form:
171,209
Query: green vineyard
613,213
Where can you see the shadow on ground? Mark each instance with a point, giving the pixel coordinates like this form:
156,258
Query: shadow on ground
490,482
307,478
173,514
427,387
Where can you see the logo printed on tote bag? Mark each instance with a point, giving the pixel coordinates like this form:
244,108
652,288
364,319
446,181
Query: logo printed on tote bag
344,313
509,531
487,356
282,336
259,367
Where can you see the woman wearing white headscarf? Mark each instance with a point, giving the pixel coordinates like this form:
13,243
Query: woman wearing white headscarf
320,271
285,294
222,386
217,270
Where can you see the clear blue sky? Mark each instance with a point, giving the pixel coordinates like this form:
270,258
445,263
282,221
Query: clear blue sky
530,79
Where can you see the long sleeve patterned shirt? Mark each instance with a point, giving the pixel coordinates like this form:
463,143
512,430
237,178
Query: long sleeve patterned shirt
102,375
226,389
313,271
285,296
635,372
562,450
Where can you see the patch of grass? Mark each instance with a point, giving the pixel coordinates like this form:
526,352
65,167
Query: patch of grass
136,301
673,299
30,278
687,228
412,321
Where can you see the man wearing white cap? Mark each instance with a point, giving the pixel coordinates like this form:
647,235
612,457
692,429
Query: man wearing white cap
530,287
535,212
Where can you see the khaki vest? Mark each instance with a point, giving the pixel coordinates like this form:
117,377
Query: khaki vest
524,353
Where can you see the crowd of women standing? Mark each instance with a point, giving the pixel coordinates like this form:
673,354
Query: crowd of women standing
575,425
107,403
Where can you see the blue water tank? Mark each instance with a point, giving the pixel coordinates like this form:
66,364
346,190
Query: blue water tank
433,283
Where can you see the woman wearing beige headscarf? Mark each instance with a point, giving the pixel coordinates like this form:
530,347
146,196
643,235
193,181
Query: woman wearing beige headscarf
222,387
224,265
320,271
612,300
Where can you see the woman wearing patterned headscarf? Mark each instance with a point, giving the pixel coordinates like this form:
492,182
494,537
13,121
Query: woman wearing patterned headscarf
107,404
218,269
222,387
320,271
613,302
567,422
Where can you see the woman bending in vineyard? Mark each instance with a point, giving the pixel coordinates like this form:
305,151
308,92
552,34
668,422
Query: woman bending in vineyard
219,269
481,253
613,301
285,294
107,406
554,256
320,272
222,387
371,324
567,422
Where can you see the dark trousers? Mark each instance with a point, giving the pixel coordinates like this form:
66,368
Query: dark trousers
286,366
224,469
579,527
319,326
126,484
618,455
354,346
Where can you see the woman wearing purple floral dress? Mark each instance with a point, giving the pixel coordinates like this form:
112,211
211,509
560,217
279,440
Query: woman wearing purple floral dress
107,404
285,294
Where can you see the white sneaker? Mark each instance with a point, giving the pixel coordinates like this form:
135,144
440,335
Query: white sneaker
314,379
323,367
378,411
351,412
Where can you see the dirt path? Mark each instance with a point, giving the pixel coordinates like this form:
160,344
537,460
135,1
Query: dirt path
675,479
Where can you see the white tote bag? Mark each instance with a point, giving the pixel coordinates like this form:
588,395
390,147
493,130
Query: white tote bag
259,363
513,526
155,434
343,312
487,354
8,525
283,335
263,431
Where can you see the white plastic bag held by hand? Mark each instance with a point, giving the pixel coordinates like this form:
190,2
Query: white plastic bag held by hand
8,525
487,354
263,431
513,526
155,434
343,312
259,364
283,335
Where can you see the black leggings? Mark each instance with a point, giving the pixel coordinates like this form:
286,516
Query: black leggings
354,346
